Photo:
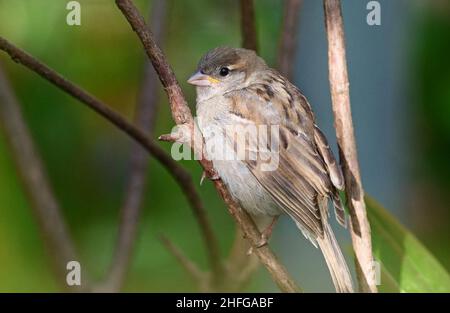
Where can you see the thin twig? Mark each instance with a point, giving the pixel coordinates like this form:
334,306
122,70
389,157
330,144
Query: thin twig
340,96
248,26
288,39
180,175
190,267
182,115
118,120
34,177
136,182
239,262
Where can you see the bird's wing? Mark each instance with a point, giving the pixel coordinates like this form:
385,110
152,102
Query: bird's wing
301,178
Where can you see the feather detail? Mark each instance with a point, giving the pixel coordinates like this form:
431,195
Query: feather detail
334,170
339,211
331,251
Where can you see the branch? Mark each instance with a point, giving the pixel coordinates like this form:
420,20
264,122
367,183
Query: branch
30,168
182,115
53,77
248,26
179,174
131,208
340,96
190,267
288,40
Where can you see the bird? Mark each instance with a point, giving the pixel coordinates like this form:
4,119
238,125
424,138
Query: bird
239,100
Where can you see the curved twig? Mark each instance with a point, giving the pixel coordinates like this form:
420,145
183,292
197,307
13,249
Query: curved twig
191,268
37,186
181,176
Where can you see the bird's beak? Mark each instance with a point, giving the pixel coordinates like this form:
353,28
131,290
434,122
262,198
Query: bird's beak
200,79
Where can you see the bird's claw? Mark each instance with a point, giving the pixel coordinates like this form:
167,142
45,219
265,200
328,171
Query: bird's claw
265,235
180,133
264,240
203,177
212,176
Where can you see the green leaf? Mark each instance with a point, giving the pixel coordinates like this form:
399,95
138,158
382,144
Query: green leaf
406,265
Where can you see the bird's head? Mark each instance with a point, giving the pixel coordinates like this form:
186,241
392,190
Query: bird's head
223,69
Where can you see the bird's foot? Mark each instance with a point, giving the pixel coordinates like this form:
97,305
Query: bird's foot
264,240
180,133
261,243
213,176
265,235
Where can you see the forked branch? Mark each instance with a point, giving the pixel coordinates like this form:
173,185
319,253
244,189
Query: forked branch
182,177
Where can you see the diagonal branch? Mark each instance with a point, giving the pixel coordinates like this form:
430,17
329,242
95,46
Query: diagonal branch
34,177
288,38
182,115
179,174
45,72
248,25
136,182
340,96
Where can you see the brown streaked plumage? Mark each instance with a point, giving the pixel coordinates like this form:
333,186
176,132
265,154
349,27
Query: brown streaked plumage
236,87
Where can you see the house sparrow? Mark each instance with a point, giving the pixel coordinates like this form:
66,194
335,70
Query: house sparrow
236,89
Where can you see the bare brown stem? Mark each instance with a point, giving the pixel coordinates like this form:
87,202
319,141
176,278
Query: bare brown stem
340,96
136,182
248,26
182,115
288,39
34,177
118,120
179,174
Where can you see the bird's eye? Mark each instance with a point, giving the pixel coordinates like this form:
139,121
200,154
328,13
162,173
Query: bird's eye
224,71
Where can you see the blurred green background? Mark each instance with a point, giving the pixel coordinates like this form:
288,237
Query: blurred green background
87,159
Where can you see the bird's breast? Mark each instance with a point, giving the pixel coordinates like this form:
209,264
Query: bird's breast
214,121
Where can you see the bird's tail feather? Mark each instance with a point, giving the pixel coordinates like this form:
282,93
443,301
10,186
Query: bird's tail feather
338,208
337,266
